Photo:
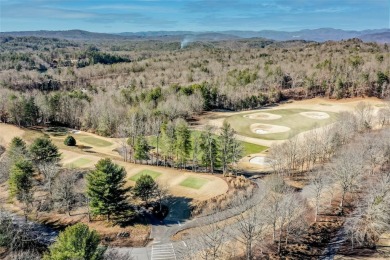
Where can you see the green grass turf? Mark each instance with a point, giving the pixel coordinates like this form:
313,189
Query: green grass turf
193,182
79,162
248,148
94,141
152,174
290,118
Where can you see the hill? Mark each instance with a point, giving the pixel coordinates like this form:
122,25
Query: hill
319,35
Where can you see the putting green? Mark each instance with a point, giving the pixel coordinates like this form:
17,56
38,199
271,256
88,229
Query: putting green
289,118
152,174
79,162
95,141
193,182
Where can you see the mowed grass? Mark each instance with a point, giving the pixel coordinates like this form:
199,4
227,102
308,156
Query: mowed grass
151,173
193,182
79,162
94,141
248,148
290,118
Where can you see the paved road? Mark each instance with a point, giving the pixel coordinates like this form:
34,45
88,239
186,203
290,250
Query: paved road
161,248
163,252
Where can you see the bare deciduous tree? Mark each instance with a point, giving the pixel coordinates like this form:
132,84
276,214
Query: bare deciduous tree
64,190
372,215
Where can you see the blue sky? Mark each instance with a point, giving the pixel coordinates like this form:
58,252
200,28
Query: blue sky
193,15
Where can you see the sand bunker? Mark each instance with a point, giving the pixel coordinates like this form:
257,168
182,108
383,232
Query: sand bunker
260,160
315,115
262,129
263,116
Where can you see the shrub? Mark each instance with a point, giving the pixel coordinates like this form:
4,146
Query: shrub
76,242
70,141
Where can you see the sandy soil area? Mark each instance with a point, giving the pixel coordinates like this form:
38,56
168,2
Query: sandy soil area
268,129
315,115
260,160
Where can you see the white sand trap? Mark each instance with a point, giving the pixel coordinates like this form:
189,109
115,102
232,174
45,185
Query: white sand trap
263,116
262,129
260,160
315,115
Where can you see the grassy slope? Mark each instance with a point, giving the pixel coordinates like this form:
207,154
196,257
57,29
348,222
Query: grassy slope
290,118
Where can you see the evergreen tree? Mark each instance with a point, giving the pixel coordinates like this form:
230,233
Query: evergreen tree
76,242
141,148
209,149
106,189
17,148
43,150
145,188
168,137
230,149
30,112
195,150
21,183
183,142
70,141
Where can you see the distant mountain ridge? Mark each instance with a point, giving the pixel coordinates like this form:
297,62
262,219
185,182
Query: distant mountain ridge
319,35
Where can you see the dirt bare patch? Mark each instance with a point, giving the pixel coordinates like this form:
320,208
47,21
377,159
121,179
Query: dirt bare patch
263,116
315,115
262,129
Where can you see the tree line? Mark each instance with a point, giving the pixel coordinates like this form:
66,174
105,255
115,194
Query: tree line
175,145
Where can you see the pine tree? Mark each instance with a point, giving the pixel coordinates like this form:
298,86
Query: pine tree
17,148
141,149
43,150
145,188
168,138
183,142
209,149
20,180
70,141
230,149
21,183
76,242
106,189
30,112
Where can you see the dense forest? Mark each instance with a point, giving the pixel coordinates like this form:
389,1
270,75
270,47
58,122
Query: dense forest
94,86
